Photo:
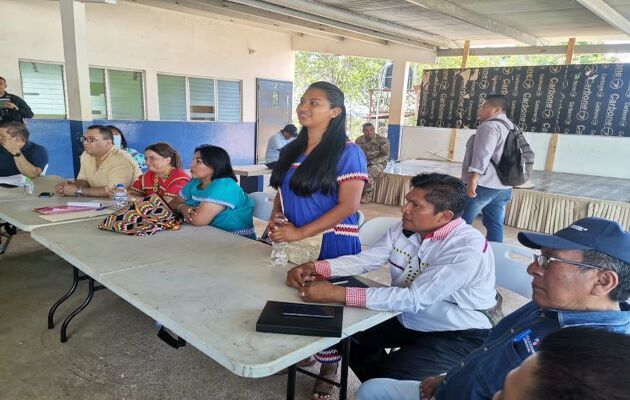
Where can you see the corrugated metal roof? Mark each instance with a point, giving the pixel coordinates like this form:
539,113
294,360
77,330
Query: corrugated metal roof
484,22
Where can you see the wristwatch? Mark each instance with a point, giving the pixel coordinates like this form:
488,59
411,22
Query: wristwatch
78,192
18,154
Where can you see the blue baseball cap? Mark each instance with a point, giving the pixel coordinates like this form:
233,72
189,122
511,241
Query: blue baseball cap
590,233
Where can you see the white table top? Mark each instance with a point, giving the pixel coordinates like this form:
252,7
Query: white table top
13,194
42,184
20,214
206,285
252,170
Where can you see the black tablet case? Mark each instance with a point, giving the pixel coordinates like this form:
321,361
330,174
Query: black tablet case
272,320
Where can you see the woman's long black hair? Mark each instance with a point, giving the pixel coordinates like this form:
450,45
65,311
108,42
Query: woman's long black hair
318,172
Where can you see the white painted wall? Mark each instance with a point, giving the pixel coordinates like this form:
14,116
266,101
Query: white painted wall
132,36
577,154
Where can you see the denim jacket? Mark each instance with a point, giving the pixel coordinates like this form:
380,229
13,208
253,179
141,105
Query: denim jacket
483,371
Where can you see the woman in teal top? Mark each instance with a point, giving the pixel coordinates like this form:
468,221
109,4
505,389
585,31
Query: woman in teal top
213,197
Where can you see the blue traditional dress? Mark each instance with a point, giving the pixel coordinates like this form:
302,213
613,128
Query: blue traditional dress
343,239
239,207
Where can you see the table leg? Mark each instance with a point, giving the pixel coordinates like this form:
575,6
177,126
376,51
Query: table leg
75,283
11,231
251,184
345,363
291,382
90,296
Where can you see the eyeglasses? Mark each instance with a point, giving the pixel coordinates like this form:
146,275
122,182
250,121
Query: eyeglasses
90,139
544,261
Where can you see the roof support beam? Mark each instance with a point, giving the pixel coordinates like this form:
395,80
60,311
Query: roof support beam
525,50
608,14
473,18
302,18
349,18
253,16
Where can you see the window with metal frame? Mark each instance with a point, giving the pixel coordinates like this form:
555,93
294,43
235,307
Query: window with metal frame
172,97
117,94
43,89
184,98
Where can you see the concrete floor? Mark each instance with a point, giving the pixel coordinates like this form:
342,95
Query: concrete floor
113,351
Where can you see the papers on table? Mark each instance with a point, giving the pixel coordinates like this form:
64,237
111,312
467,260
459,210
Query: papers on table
76,215
15,180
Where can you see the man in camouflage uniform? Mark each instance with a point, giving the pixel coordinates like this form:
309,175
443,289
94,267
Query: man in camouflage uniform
376,149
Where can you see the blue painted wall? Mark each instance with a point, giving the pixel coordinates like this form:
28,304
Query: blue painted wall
394,134
238,138
54,135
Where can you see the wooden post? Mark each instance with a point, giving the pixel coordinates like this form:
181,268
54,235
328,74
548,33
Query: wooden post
465,53
551,152
451,145
570,48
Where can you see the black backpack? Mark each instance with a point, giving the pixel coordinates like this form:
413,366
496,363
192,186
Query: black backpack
517,160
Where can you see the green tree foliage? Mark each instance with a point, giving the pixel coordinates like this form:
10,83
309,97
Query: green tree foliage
354,75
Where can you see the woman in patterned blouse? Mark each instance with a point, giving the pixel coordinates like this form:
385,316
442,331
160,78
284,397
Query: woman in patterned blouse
165,176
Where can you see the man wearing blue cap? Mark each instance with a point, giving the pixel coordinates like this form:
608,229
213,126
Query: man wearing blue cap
581,278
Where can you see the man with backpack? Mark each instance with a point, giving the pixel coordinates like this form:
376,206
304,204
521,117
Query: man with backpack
497,158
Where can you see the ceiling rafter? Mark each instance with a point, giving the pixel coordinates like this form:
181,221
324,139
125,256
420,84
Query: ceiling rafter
350,18
479,20
608,14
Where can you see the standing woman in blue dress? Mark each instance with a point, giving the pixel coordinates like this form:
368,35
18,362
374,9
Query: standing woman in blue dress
320,175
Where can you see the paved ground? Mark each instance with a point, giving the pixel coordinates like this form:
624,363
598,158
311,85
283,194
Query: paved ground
113,351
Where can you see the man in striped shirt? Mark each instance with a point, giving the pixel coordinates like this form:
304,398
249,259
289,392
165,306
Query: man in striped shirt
442,285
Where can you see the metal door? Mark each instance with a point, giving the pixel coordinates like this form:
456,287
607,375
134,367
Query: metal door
274,102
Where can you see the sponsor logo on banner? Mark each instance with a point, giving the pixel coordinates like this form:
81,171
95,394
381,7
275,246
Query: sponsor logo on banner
582,115
576,99
616,83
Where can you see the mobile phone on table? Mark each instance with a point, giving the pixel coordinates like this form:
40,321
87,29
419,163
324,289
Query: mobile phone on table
46,194
303,310
265,236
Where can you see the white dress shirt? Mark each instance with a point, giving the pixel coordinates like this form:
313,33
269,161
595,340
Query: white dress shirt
439,283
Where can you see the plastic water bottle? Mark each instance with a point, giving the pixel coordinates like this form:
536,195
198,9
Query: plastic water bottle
29,187
120,196
279,256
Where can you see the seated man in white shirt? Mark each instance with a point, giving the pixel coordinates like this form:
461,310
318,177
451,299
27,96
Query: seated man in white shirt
442,284
277,142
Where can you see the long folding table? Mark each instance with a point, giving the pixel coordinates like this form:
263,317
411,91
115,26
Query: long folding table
207,286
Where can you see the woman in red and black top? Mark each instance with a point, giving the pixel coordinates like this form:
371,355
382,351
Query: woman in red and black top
165,176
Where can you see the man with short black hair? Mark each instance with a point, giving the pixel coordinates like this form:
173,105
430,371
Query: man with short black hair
573,363
18,155
12,107
442,283
277,142
103,166
376,149
486,194
581,278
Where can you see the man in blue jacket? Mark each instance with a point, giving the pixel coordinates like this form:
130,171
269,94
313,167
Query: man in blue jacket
581,278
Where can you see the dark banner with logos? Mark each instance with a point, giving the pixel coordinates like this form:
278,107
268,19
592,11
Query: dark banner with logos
590,99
